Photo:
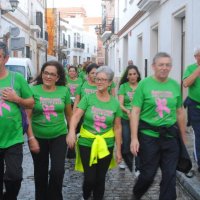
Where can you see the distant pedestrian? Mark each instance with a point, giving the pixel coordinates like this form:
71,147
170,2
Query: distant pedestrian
157,107
73,81
14,93
100,130
191,79
89,86
48,129
128,85
130,62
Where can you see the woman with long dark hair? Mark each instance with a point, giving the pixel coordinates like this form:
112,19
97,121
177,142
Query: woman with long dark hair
48,129
127,87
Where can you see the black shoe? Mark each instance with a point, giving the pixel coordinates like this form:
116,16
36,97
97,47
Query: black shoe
133,197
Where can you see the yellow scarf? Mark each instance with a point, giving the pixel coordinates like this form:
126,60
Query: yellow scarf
99,148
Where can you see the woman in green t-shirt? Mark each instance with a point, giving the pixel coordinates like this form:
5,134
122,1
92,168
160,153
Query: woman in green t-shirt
88,86
127,87
73,81
101,128
48,129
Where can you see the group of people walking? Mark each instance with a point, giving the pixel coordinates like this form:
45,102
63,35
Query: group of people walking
142,123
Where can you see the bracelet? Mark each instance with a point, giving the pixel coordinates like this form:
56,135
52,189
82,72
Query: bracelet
30,138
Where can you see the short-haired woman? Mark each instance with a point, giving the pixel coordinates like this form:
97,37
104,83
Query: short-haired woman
101,128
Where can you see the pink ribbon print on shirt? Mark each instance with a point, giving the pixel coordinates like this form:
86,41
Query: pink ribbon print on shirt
99,122
72,89
49,110
3,105
161,107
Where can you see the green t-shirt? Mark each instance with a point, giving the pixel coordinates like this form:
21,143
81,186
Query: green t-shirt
158,102
48,117
11,132
99,117
86,88
127,91
113,85
193,90
82,74
73,84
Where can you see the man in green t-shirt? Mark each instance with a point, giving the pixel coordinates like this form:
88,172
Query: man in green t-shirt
191,79
12,97
156,104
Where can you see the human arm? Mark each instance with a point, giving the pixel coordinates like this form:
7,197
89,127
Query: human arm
113,92
187,82
121,101
68,113
71,136
181,123
118,138
76,101
134,122
32,141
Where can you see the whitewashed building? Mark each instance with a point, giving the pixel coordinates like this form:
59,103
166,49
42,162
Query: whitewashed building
148,26
24,30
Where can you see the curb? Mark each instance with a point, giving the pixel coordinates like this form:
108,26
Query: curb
191,185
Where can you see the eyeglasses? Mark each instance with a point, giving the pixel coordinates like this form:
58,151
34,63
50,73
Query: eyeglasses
101,80
49,74
164,65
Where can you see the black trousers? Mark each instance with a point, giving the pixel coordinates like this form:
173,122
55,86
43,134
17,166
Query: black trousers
48,184
94,176
11,175
157,152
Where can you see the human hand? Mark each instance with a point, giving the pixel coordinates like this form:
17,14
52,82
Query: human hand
34,145
71,139
134,146
118,156
9,94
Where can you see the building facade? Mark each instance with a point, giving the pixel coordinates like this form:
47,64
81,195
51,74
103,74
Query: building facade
149,26
24,30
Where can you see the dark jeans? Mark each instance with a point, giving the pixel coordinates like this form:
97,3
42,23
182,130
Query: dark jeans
126,141
94,176
48,184
157,152
12,158
194,120
196,128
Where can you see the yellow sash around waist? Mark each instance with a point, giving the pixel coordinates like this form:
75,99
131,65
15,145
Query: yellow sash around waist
99,148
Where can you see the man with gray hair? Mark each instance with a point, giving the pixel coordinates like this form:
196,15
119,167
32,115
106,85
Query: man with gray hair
157,108
14,93
191,80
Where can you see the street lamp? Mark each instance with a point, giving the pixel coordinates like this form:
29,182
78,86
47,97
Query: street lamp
14,5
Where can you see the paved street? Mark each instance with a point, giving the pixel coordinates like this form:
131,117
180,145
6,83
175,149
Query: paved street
119,183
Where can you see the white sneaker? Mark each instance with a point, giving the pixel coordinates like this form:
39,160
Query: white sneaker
122,165
137,173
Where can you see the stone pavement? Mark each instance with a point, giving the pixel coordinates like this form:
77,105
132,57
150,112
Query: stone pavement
119,183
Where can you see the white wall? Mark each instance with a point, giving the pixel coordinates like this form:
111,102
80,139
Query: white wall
167,18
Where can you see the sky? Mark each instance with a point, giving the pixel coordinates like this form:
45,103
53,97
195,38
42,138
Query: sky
92,7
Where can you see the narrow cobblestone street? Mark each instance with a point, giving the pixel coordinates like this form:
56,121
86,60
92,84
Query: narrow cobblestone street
119,183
